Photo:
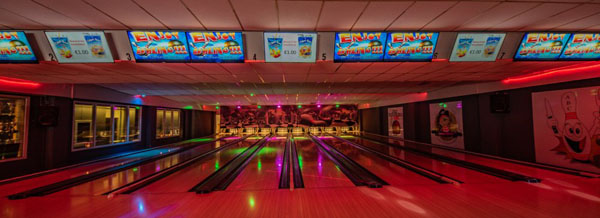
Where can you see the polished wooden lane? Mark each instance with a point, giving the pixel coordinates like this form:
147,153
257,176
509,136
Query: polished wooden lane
183,180
452,171
386,170
116,180
264,169
515,199
508,166
318,171
88,168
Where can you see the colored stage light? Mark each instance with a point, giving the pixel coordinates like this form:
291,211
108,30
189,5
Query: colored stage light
299,106
239,107
258,106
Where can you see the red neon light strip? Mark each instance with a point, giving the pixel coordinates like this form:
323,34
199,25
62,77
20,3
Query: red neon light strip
549,73
18,82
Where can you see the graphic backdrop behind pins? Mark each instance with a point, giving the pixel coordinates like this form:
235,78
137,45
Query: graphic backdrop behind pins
288,116
447,124
565,126
396,121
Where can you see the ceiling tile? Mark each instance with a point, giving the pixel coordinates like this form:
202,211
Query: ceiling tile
379,15
339,15
298,15
214,15
420,14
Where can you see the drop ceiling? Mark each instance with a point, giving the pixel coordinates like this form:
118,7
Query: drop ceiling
271,83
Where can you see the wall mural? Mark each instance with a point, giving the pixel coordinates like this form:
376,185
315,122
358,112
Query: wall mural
566,127
447,124
396,121
288,116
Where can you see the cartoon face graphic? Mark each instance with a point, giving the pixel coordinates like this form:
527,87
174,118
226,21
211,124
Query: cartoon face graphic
575,135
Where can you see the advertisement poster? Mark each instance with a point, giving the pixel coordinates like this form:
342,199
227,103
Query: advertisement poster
80,47
541,46
290,47
396,121
582,46
566,128
14,48
477,46
288,116
359,46
410,46
216,47
447,124
159,46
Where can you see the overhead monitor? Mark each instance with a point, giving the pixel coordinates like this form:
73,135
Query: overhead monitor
80,47
582,46
541,46
216,47
159,46
290,47
477,46
14,48
410,46
359,46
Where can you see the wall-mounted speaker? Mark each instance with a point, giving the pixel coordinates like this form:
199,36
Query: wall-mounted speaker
500,103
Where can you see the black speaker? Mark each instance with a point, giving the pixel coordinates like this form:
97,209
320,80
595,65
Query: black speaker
500,103
48,116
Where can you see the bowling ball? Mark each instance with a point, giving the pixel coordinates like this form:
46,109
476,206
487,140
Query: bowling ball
425,43
16,43
231,43
175,42
374,43
557,43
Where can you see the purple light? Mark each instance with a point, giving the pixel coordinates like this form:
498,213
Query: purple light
278,106
459,105
319,106
239,107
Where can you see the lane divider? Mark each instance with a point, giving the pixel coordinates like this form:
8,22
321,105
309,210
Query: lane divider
284,178
220,179
354,171
503,174
435,176
147,180
297,171
68,183
580,173
42,173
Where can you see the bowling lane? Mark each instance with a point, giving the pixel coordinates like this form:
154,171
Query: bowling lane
116,180
93,167
318,171
456,172
184,179
264,170
508,166
391,173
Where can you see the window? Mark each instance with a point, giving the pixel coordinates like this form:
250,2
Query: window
97,125
13,127
167,123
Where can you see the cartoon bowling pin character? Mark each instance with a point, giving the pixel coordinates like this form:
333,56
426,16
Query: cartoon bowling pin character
574,138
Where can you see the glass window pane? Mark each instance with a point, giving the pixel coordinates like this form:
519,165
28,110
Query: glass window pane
103,125
12,127
176,124
160,119
169,123
83,126
134,123
120,120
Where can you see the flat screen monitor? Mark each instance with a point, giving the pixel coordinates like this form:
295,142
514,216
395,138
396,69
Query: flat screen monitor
80,47
410,46
582,46
359,46
541,46
477,46
216,47
14,48
290,47
159,46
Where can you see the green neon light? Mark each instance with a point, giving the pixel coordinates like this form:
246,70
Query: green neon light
189,107
200,140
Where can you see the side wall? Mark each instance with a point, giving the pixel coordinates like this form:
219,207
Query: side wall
50,147
508,135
